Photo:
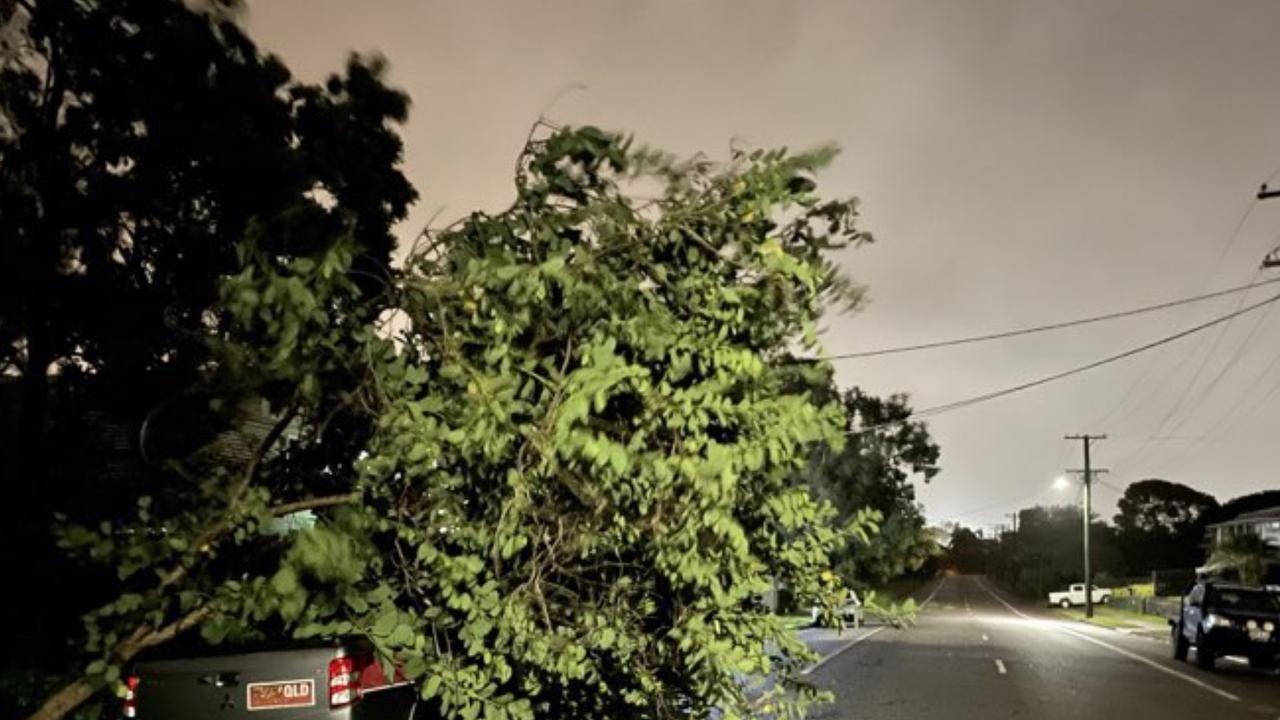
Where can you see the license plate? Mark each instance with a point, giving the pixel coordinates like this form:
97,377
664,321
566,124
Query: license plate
1259,635
282,694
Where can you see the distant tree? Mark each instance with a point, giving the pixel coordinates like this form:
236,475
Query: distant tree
884,453
1244,554
1047,550
1161,525
966,552
1246,503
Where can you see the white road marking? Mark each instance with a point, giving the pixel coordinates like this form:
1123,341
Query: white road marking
838,651
1000,667
1118,650
985,638
935,592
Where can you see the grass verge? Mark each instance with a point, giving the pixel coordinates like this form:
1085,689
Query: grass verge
1117,619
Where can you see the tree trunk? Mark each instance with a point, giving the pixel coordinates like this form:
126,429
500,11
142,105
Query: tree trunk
61,703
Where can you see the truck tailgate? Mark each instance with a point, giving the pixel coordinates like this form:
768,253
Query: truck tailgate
273,685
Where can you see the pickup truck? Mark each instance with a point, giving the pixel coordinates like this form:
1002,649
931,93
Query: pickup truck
1226,619
324,680
1074,595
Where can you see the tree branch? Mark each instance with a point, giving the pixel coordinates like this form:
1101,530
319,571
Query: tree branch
73,694
314,503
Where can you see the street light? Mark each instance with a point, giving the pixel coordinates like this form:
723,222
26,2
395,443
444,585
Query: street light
1061,483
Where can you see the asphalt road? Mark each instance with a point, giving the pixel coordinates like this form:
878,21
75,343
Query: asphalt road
973,655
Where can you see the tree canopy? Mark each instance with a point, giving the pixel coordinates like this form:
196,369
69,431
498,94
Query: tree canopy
140,140
1046,551
1251,502
582,470
885,451
1160,525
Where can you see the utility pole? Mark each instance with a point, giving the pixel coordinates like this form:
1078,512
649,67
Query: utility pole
1014,516
1273,258
1088,473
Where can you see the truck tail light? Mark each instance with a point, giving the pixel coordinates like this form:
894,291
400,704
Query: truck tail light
129,708
344,681
350,676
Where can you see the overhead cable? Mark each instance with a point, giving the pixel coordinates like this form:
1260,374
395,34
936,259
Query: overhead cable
958,404
1048,327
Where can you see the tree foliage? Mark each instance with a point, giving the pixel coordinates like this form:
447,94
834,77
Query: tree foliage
140,140
966,551
1251,502
885,451
1046,553
1244,554
582,468
1160,525
586,468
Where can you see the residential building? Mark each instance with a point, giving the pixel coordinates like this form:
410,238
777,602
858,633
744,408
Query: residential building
1264,523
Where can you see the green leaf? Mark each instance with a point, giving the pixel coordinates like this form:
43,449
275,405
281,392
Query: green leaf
385,624
285,581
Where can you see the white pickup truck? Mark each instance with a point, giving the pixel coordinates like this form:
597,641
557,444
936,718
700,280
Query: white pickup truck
1074,595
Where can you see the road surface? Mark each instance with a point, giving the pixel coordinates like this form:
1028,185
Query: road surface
975,656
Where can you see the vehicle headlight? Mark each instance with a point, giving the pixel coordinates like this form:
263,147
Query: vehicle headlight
1212,621
1251,625
1268,626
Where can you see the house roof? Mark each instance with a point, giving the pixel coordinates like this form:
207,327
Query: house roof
1263,515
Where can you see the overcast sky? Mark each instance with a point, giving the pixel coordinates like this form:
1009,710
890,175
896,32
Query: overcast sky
1019,162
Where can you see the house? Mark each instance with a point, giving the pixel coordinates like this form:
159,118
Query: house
1264,523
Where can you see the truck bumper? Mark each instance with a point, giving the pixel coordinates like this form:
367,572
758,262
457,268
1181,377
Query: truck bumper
1228,641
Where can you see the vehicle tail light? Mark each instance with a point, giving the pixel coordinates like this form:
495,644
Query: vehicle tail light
350,676
344,681
130,705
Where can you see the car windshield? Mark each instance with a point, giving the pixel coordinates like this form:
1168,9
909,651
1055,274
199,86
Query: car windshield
1246,600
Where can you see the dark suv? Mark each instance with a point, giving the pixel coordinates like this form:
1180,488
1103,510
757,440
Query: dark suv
1227,619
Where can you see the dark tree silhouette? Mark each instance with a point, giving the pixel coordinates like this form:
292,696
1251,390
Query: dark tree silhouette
139,140
1161,525
875,471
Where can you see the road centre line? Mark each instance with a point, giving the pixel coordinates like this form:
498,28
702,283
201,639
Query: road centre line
1118,650
1000,667
838,651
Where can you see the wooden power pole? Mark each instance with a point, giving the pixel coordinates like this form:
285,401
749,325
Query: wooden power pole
1272,260
1088,472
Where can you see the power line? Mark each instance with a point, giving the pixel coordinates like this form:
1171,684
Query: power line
1226,249
1186,390
1241,350
1048,327
999,504
959,404
1230,418
1109,486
